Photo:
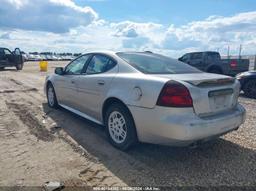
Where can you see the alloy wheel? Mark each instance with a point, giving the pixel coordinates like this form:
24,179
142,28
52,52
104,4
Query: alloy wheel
117,127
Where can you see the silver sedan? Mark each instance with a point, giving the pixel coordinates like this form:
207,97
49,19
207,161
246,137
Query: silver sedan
147,97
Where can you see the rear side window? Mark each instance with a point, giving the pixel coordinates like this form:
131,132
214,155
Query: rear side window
213,56
156,64
198,55
100,64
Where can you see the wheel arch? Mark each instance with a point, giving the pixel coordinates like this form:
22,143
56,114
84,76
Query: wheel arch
214,67
47,83
109,101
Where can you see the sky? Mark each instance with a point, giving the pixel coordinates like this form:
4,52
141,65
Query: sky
170,27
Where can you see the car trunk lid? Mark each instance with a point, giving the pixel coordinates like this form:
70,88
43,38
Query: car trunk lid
211,93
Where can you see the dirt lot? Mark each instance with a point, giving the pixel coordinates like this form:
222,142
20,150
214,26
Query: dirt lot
39,144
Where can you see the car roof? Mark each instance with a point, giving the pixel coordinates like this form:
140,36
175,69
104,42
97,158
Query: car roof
113,52
203,52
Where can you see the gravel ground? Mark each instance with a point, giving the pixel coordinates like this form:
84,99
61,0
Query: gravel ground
39,144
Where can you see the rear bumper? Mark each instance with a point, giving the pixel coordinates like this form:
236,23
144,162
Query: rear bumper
181,126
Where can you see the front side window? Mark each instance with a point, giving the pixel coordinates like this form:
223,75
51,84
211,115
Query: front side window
76,66
156,64
99,64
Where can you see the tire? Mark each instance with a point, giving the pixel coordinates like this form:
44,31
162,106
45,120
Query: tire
121,137
250,89
215,71
1,68
19,67
51,97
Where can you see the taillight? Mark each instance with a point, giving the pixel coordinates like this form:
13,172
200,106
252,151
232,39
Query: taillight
175,94
233,63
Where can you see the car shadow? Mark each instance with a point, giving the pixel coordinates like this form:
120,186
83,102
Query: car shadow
8,69
220,163
242,95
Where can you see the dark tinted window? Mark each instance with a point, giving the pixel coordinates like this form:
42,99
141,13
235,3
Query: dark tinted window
156,64
213,56
99,64
198,55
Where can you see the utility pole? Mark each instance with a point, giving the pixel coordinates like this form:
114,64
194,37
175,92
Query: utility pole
228,52
240,50
255,62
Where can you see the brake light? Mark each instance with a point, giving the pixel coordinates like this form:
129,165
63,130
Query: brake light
233,63
175,94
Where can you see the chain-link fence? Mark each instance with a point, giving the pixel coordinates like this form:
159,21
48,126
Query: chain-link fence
252,59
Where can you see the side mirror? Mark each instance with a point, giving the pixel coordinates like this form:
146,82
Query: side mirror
180,59
59,71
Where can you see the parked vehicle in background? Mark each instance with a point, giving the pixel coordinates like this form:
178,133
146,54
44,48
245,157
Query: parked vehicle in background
248,83
24,56
34,57
67,57
211,62
43,57
147,97
9,59
48,57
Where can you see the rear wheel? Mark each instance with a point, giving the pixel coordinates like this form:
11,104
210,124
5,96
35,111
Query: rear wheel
1,68
250,89
51,97
19,66
120,127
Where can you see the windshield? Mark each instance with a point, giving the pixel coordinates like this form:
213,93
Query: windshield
150,63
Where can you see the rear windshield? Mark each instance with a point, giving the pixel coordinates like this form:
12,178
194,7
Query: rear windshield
150,63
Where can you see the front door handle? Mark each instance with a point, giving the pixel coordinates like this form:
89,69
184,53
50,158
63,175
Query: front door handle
101,82
72,81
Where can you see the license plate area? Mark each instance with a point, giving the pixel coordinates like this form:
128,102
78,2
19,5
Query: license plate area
223,92
220,99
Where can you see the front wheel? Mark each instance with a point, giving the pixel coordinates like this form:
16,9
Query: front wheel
120,127
51,97
19,66
250,89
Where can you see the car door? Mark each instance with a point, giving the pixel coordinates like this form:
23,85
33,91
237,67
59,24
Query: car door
9,58
66,84
94,84
3,59
18,56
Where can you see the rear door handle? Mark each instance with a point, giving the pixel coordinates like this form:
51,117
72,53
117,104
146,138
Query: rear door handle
101,82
